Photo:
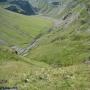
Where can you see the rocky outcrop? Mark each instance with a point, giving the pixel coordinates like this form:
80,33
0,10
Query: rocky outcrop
15,9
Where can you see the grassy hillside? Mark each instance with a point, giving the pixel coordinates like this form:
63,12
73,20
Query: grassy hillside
16,71
58,59
13,27
68,45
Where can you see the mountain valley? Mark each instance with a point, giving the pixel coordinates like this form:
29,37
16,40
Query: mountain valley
45,44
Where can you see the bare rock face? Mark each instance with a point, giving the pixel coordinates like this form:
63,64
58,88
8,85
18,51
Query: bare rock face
2,42
87,62
15,9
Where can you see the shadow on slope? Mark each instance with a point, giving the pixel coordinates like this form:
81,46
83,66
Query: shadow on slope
21,6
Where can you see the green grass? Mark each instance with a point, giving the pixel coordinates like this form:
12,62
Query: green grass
58,62
67,45
13,27
16,70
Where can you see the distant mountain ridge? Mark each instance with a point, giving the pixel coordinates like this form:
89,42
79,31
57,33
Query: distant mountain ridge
33,7
20,6
26,7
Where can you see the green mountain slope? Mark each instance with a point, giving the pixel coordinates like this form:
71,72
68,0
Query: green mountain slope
69,44
16,71
57,52
13,27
